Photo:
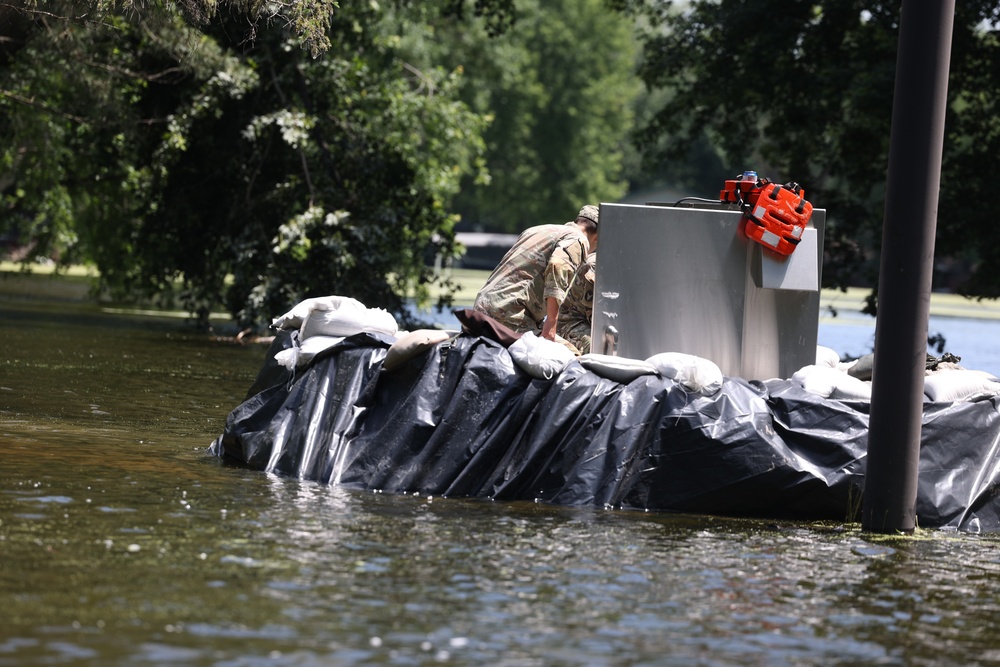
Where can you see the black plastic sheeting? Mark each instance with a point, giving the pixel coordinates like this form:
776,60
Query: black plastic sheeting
462,420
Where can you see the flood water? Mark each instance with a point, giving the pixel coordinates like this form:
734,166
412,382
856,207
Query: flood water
123,543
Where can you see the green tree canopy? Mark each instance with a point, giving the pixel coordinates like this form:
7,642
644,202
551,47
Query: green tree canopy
802,90
255,154
561,89
309,20
168,152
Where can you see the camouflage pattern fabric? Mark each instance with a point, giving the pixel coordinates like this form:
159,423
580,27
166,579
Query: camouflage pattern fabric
541,264
577,311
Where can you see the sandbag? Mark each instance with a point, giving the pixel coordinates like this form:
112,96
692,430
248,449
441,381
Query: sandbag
948,386
301,354
410,344
832,383
827,357
619,369
695,373
538,357
338,316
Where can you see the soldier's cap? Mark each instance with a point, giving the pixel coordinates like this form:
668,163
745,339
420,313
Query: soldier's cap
589,212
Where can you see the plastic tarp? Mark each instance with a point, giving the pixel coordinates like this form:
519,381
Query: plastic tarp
462,420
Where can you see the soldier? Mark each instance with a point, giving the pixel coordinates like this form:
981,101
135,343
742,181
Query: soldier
525,290
577,311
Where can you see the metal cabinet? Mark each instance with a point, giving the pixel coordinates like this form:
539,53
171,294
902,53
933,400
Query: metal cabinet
686,279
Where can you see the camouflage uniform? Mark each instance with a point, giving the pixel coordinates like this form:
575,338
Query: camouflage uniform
540,265
576,312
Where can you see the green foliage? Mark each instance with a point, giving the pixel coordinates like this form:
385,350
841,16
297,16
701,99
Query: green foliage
802,90
560,89
259,153
172,156
967,227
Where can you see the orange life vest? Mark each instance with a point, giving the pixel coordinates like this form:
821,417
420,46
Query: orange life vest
775,215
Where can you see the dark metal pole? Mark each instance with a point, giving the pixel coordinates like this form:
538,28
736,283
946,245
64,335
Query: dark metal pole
904,293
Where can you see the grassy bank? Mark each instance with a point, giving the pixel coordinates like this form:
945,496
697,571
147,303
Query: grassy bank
43,282
942,305
75,284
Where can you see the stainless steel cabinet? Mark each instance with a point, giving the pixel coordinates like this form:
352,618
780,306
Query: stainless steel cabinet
683,279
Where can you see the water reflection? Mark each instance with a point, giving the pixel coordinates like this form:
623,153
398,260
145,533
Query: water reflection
123,543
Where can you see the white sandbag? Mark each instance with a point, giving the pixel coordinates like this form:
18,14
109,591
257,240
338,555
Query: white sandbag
827,357
288,358
347,321
953,385
411,344
851,388
539,357
293,318
695,373
815,380
303,353
619,369
335,316
832,383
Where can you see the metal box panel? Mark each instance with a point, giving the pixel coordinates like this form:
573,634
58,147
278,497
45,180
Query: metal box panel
798,271
673,279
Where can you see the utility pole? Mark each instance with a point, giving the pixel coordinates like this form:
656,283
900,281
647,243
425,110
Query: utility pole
904,292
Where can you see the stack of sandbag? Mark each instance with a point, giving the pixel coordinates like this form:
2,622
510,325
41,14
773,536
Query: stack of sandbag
829,378
832,383
322,322
545,359
945,381
948,385
539,357
695,373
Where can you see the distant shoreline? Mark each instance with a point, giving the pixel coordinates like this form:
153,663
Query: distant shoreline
75,284
942,304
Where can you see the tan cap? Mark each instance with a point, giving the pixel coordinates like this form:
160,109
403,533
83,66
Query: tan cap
589,212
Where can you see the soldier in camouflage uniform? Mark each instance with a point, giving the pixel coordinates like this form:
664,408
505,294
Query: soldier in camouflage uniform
577,311
525,290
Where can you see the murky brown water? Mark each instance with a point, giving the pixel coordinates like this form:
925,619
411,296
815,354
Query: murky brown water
123,543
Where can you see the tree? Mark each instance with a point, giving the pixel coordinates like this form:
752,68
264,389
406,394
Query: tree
560,89
309,20
172,154
802,90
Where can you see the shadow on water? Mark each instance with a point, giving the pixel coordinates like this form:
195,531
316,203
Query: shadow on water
123,543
